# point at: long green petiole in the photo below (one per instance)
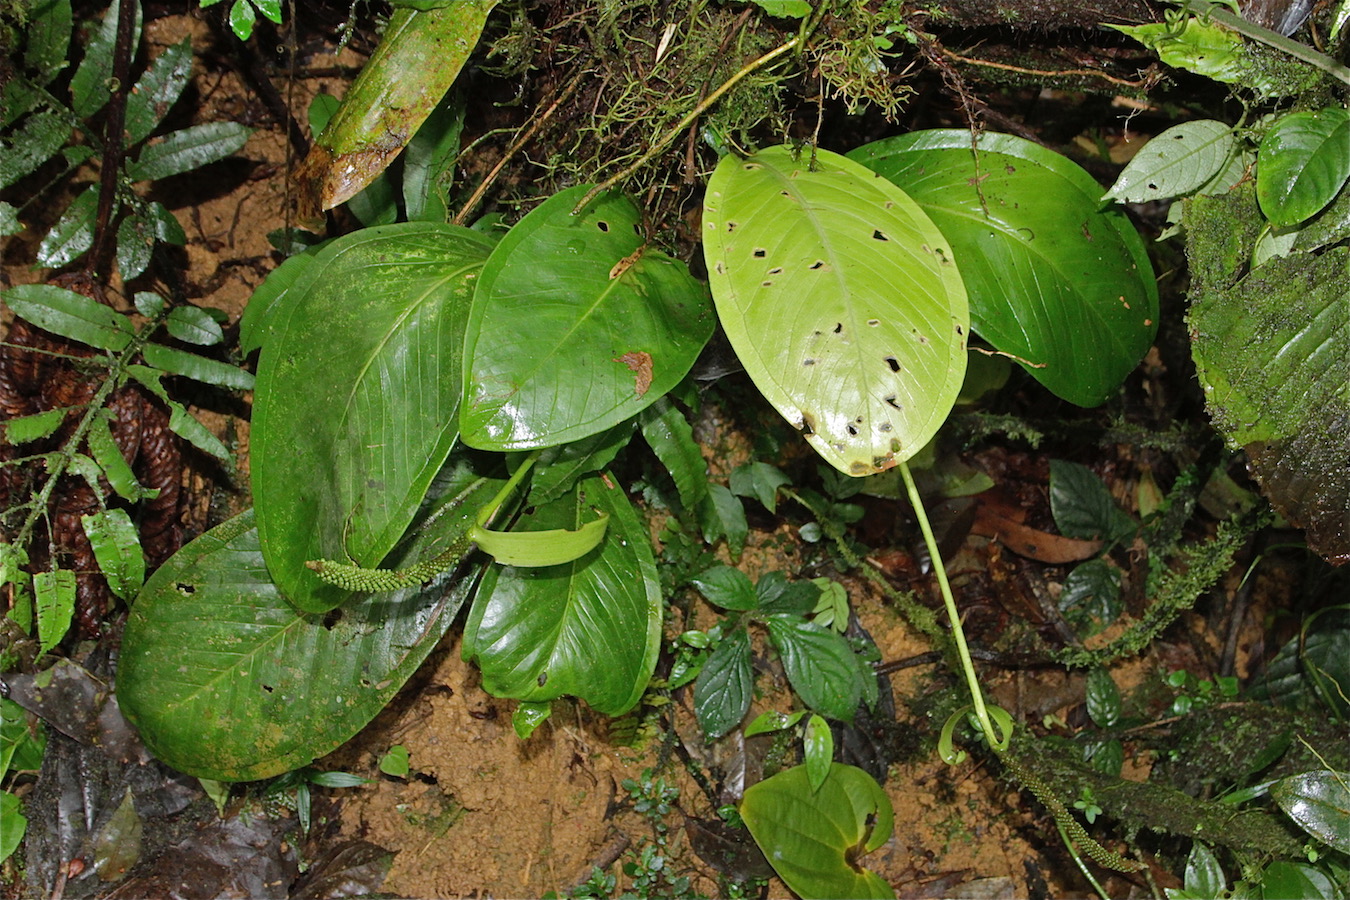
(998, 741)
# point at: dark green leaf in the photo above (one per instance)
(158, 89)
(429, 162)
(1270, 353)
(723, 690)
(46, 50)
(589, 628)
(1107, 757)
(1103, 698)
(529, 715)
(819, 664)
(54, 596)
(1302, 164)
(117, 548)
(148, 303)
(671, 438)
(1320, 803)
(103, 448)
(779, 595)
(188, 149)
(22, 151)
(89, 85)
(1204, 877)
(815, 839)
(135, 245)
(167, 227)
(21, 747)
(1083, 507)
(726, 587)
(1283, 880)
(759, 480)
(1054, 280)
(1311, 666)
(181, 422)
(193, 325)
(357, 393)
(73, 233)
(70, 315)
(722, 515)
(559, 468)
(577, 324)
(1091, 600)
(255, 326)
(377, 203)
(224, 679)
(198, 368)
(22, 429)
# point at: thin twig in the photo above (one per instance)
(684, 123)
(520, 141)
(1042, 73)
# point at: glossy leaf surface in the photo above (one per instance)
(357, 394)
(191, 148)
(589, 628)
(578, 324)
(1303, 161)
(1176, 162)
(1320, 803)
(224, 679)
(841, 299)
(71, 315)
(815, 839)
(819, 664)
(725, 686)
(1063, 286)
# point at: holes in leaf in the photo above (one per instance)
(603, 226)
(891, 401)
(331, 618)
(874, 322)
(884, 427)
(895, 367)
(731, 226)
(721, 269)
(851, 429)
(838, 327)
(776, 270)
(808, 425)
(766, 284)
(185, 588)
(878, 236)
(808, 362)
(818, 264)
(958, 330)
(760, 253)
(542, 679)
(268, 688)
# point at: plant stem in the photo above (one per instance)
(685, 122)
(1270, 38)
(958, 634)
(114, 147)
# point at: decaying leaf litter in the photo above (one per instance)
(940, 859)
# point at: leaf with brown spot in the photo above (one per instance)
(640, 364)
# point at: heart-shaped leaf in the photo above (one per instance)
(1063, 286)
(840, 298)
(589, 628)
(577, 325)
(357, 395)
(226, 680)
(815, 839)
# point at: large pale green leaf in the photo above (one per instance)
(357, 393)
(226, 680)
(1303, 162)
(578, 324)
(842, 300)
(815, 840)
(590, 628)
(1063, 286)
